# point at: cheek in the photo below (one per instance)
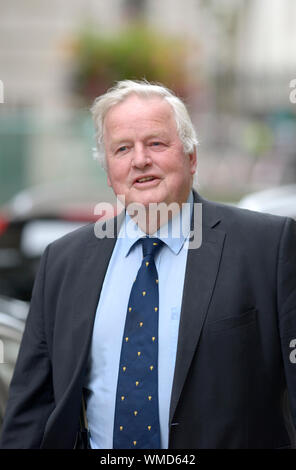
(116, 174)
(179, 177)
(176, 168)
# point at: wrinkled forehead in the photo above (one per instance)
(135, 109)
(137, 106)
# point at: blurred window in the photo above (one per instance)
(37, 235)
(13, 152)
(135, 7)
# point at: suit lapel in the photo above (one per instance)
(88, 289)
(87, 293)
(201, 272)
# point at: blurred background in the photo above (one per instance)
(232, 61)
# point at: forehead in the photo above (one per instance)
(140, 112)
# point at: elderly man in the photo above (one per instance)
(168, 345)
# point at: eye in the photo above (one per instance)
(157, 145)
(121, 149)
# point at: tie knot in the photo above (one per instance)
(150, 246)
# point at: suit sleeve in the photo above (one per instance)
(287, 309)
(31, 397)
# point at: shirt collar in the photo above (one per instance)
(173, 234)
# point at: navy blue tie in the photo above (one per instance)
(136, 421)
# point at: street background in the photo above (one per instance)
(231, 60)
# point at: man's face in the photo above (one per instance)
(145, 157)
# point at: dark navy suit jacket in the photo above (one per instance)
(235, 376)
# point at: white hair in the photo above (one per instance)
(120, 92)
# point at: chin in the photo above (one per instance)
(151, 200)
(145, 199)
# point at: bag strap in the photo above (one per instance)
(83, 419)
(83, 436)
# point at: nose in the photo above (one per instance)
(141, 157)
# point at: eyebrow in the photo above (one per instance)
(154, 135)
(118, 143)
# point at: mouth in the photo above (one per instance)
(146, 181)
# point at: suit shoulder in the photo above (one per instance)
(250, 216)
(73, 239)
(76, 241)
(232, 214)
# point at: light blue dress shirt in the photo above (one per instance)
(102, 371)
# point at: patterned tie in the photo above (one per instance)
(136, 422)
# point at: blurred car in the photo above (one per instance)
(33, 219)
(13, 314)
(278, 201)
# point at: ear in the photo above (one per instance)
(192, 161)
(109, 181)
